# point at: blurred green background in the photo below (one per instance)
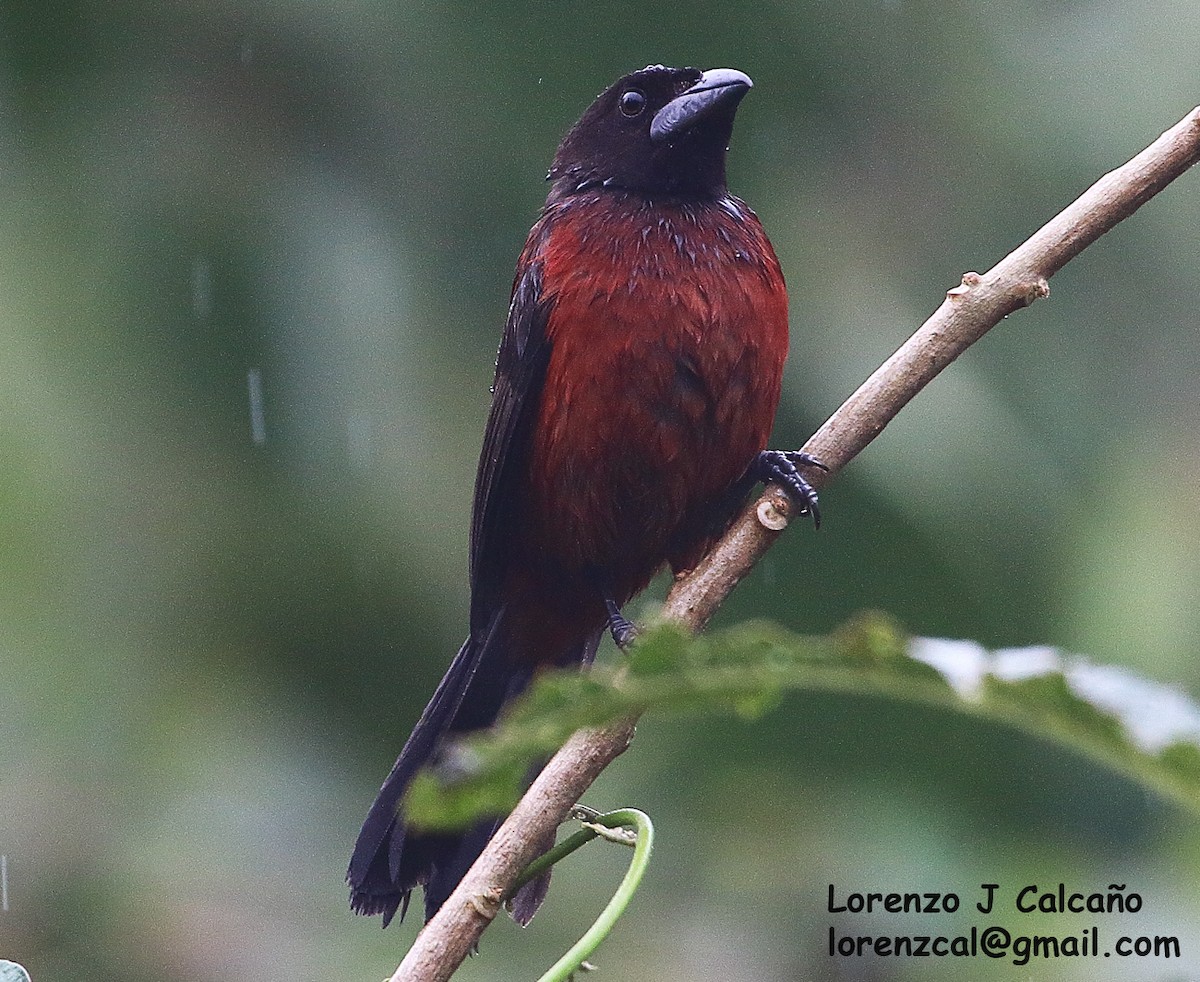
(216, 628)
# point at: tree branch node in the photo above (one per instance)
(487, 904)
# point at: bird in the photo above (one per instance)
(635, 389)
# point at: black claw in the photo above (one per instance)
(805, 459)
(622, 629)
(780, 467)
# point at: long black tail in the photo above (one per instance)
(390, 859)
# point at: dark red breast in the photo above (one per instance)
(668, 332)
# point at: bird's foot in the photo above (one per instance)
(782, 467)
(623, 631)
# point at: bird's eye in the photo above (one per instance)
(632, 103)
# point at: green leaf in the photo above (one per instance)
(1148, 731)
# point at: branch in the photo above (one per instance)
(968, 312)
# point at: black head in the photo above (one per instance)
(660, 131)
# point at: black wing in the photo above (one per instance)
(500, 480)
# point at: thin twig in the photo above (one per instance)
(968, 312)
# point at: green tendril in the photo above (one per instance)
(596, 825)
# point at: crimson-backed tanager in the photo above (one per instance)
(635, 388)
